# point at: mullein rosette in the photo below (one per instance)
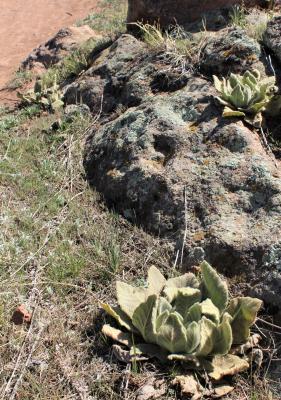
(46, 95)
(186, 318)
(245, 96)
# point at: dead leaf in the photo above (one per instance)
(151, 390)
(257, 357)
(253, 341)
(21, 315)
(125, 355)
(116, 334)
(150, 350)
(189, 386)
(222, 390)
(227, 365)
(121, 354)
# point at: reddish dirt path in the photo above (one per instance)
(24, 24)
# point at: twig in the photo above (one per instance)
(271, 65)
(176, 259)
(267, 146)
(271, 356)
(14, 392)
(269, 323)
(185, 228)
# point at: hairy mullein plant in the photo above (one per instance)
(245, 96)
(45, 94)
(187, 319)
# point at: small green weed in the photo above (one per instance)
(238, 16)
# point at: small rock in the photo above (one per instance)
(21, 315)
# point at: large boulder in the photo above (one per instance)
(162, 155)
(168, 12)
(124, 73)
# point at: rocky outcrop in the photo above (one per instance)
(162, 155)
(106, 84)
(230, 50)
(53, 51)
(272, 37)
(125, 72)
(168, 12)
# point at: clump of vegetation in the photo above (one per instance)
(73, 64)
(10, 120)
(46, 94)
(245, 96)
(237, 16)
(185, 318)
(254, 22)
(183, 49)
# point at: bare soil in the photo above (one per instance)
(26, 24)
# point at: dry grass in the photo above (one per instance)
(181, 49)
(61, 250)
(253, 21)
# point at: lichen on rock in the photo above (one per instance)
(163, 156)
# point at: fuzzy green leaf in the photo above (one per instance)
(244, 312)
(194, 313)
(216, 288)
(163, 305)
(207, 337)
(185, 299)
(129, 297)
(144, 318)
(228, 113)
(119, 315)
(224, 338)
(223, 102)
(192, 337)
(172, 334)
(248, 76)
(156, 281)
(217, 83)
(234, 80)
(186, 280)
(237, 96)
(210, 310)
(161, 319)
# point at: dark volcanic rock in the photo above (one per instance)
(107, 82)
(168, 161)
(181, 11)
(230, 50)
(272, 37)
